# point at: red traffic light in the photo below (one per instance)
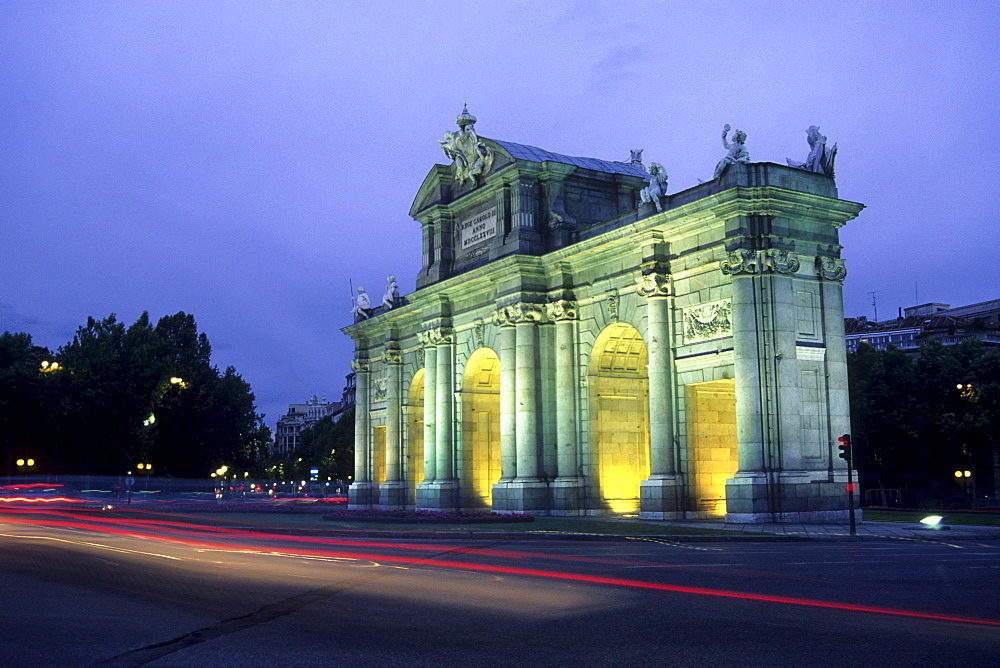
(845, 447)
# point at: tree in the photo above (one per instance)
(327, 446)
(129, 395)
(916, 422)
(25, 397)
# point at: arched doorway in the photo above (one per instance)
(414, 455)
(712, 446)
(619, 404)
(480, 464)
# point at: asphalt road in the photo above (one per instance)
(132, 593)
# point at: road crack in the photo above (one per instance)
(287, 606)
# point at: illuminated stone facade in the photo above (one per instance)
(570, 350)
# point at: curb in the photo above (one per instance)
(584, 537)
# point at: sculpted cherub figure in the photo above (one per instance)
(657, 187)
(737, 150)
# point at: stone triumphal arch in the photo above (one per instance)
(582, 342)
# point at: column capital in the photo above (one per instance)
(436, 336)
(745, 261)
(360, 365)
(392, 356)
(653, 285)
(561, 310)
(831, 269)
(517, 314)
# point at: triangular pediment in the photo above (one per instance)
(435, 189)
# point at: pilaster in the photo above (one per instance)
(361, 493)
(568, 484)
(392, 494)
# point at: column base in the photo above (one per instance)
(790, 497)
(566, 494)
(438, 495)
(522, 496)
(392, 496)
(361, 496)
(661, 499)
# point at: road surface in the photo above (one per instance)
(108, 591)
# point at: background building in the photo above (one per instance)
(299, 418)
(917, 324)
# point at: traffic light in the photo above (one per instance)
(845, 447)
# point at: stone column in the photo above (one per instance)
(767, 405)
(393, 492)
(430, 408)
(525, 357)
(748, 355)
(508, 398)
(660, 496)
(656, 289)
(566, 488)
(361, 492)
(563, 314)
(521, 488)
(444, 400)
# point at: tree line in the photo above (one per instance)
(916, 422)
(118, 396)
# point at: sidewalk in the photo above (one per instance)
(865, 530)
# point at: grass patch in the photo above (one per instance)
(968, 518)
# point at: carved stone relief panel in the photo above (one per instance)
(379, 389)
(708, 321)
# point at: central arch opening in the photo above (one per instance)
(480, 428)
(414, 456)
(619, 400)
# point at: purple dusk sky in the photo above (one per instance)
(241, 161)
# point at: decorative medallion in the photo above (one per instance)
(379, 389)
(708, 321)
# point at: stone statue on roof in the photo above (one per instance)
(819, 160)
(737, 150)
(657, 187)
(362, 305)
(391, 297)
(472, 158)
(636, 157)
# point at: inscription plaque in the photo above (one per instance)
(478, 228)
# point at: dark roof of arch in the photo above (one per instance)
(534, 154)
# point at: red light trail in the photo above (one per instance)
(135, 530)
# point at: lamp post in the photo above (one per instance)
(966, 481)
